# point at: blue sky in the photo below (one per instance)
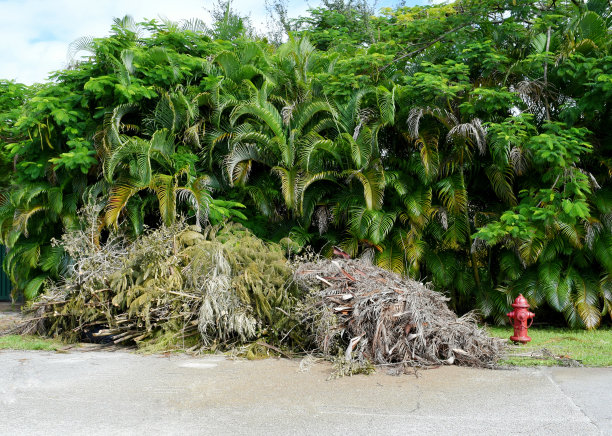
(35, 34)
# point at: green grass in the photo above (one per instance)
(556, 346)
(18, 342)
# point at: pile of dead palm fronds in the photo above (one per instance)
(366, 314)
(173, 287)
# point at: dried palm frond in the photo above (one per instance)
(473, 131)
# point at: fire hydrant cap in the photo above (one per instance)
(520, 302)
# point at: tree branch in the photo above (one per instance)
(426, 46)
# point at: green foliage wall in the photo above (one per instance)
(465, 144)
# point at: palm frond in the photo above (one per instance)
(442, 266)
(586, 298)
(473, 132)
(230, 64)
(428, 150)
(118, 198)
(289, 185)
(530, 250)
(373, 182)
(307, 112)
(162, 142)
(314, 150)
(52, 258)
(238, 162)
(165, 188)
(194, 25)
(135, 214)
(84, 43)
(605, 290)
(571, 233)
(452, 192)
(22, 217)
(391, 258)
(55, 199)
(32, 289)
(414, 121)
(501, 181)
(305, 181)
(556, 287)
(265, 112)
(386, 104)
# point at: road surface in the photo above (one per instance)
(96, 392)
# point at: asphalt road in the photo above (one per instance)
(44, 393)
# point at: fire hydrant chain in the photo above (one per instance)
(519, 318)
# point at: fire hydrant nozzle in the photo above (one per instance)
(519, 317)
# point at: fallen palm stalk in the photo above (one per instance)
(367, 314)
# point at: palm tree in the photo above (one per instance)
(283, 140)
(293, 69)
(359, 206)
(446, 151)
(152, 165)
(28, 217)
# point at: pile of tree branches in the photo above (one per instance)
(366, 314)
(174, 287)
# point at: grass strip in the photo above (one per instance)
(551, 346)
(19, 342)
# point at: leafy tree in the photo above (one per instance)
(228, 24)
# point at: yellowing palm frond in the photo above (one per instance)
(118, 198)
(165, 188)
(586, 300)
(373, 187)
(21, 218)
(304, 182)
(452, 192)
(392, 259)
(289, 185)
(428, 149)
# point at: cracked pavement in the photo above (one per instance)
(98, 392)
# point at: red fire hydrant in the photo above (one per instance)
(519, 317)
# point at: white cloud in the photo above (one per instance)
(36, 33)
